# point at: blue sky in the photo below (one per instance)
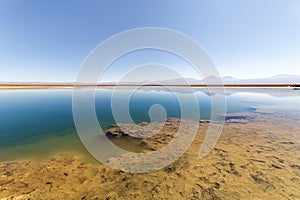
(48, 40)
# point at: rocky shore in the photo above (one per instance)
(256, 157)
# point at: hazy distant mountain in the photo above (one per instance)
(278, 79)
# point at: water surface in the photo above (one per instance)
(38, 123)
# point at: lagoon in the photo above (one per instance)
(39, 123)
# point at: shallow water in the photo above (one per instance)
(38, 123)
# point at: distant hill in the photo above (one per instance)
(278, 79)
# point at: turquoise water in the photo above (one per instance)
(40, 122)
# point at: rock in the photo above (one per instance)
(209, 194)
(256, 178)
(195, 194)
(217, 185)
(288, 142)
(294, 166)
(170, 168)
(6, 181)
(276, 166)
(8, 173)
(144, 123)
(257, 160)
(204, 121)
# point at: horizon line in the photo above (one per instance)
(82, 85)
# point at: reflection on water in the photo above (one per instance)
(39, 122)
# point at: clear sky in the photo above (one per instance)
(48, 40)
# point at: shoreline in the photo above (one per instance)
(73, 86)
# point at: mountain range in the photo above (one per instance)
(277, 79)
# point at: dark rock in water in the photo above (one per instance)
(235, 117)
(204, 121)
(239, 118)
(114, 131)
(142, 130)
